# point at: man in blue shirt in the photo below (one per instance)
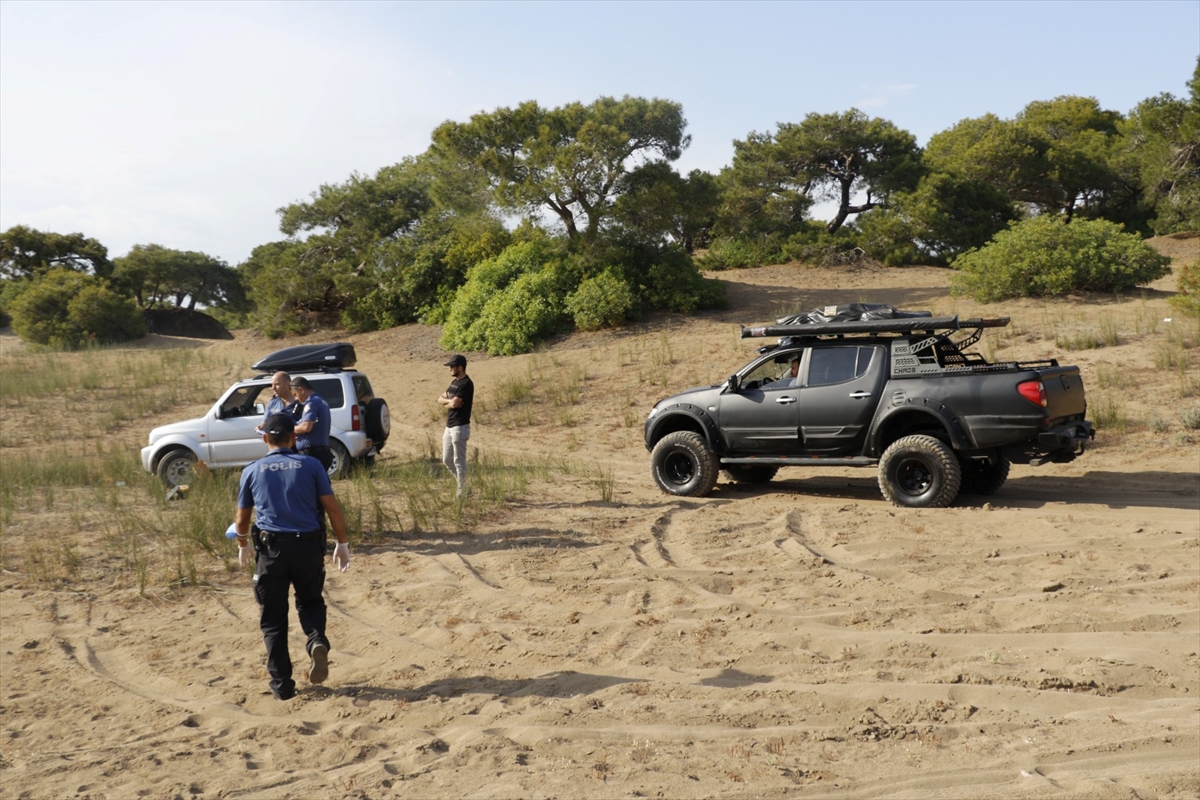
(312, 427)
(287, 491)
(282, 402)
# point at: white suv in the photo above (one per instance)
(225, 436)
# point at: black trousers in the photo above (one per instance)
(288, 561)
(322, 454)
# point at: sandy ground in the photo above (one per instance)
(802, 638)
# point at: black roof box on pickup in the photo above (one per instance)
(337, 355)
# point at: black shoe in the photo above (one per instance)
(318, 670)
(283, 694)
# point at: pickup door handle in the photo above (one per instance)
(783, 401)
(859, 395)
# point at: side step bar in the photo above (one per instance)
(805, 461)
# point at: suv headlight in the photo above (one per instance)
(653, 412)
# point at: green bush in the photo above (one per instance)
(466, 326)
(603, 301)
(518, 318)
(1047, 256)
(1188, 299)
(69, 309)
(816, 246)
(105, 317)
(750, 251)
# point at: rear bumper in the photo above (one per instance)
(1059, 445)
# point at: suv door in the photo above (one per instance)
(763, 415)
(231, 424)
(841, 391)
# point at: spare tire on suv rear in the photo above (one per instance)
(379, 421)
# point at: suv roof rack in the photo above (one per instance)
(909, 325)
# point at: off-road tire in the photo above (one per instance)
(177, 468)
(982, 477)
(920, 472)
(750, 473)
(379, 421)
(682, 464)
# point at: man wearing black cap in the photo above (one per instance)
(458, 399)
(287, 490)
(312, 427)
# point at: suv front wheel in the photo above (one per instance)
(177, 468)
(683, 465)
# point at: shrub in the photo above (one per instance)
(1047, 256)
(487, 283)
(526, 312)
(603, 301)
(747, 251)
(816, 246)
(1188, 299)
(105, 317)
(69, 309)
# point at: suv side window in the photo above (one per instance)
(362, 388)
(331, 390)
(246, 401)
(838, 364)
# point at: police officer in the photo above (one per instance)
(312, 427)
(286, 491)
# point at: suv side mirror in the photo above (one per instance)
(732, 384)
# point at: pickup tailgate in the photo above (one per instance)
(1064, 394)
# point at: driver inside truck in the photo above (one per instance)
(790, 379)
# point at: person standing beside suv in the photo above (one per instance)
(283, 401)
(458, 398)
(312, 427)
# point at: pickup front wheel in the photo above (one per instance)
(683, 465)
(920, 472)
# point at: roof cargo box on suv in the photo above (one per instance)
(338, 355)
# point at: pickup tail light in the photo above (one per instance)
(355, 420)
(1033, 391)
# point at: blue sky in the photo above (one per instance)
(189, 124)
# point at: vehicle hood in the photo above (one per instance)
(698, 395)
(190, 428)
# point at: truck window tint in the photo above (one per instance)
(838, 364)
(362, 388)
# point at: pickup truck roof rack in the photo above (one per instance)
(908, 325)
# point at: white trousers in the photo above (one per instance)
(454, 453)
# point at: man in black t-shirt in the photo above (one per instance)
(458, 399)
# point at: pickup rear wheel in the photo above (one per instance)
(983, 477)
(743, 473)
(682, 464)
(920, 472)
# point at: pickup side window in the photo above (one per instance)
(774, 373)
(832, 365)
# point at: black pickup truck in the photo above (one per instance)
(866, 385)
